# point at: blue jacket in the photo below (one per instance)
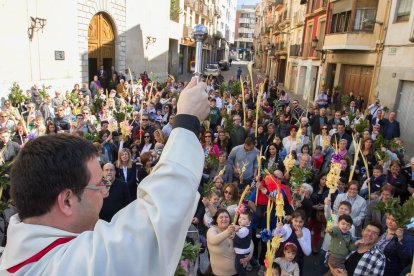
(398, 254)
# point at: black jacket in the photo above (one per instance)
(118, 198)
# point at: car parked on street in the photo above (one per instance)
(224, 65)
(212, 69)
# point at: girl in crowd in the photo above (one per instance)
(295, 233)
(50, 128)
(287, 262)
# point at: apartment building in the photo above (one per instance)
(244, 31)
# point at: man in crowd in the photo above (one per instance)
(238, 133)
(9, 149)
(318, 121)
(322, 99)
(61, 121)
(391, 127)
(118, 197)
(6, 122)
(368, 258)
(341, 134)
(94, 86)
(59, 200)
(244, 157)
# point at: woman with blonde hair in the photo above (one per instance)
(159, 136)
(125, 169)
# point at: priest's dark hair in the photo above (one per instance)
(45, 167)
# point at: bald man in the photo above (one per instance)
(118, 197)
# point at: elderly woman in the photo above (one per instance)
(220, 245)
(359, 205)
(397, 245)
(305, 204)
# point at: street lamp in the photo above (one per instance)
(314, 43)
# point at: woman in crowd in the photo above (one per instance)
(220, 245)
(396, 178)
(67, 110)
(143, 170)
(159, 136)
(398, 247)
(280, 148)
(223, 142)
(273, 161)
(317, 219)
(359, 205)
(146, 144)
(367, 149)
(229, 199)
(289, 142)
(21, 135)
(207, 144)
(322, 139)
(125, 170)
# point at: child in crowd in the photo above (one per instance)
(287, 262)
(276, 269)
(317, 159)
(211, 203)
(295, 233)
(242, 241)
(376, 181)
(344, 208)
(341, 242)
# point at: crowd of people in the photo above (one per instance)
(129, 120)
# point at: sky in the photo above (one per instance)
(247, 2)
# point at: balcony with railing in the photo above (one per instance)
(204, 10)
(347, 34)
(295, 50)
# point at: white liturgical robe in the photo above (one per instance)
(145, 238)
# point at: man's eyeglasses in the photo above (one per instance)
(103, 184)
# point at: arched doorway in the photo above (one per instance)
(101, 44)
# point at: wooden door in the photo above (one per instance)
(101, 43)
(358, 80)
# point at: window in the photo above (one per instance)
(403, 10)
(365, 20)
(340, 22)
